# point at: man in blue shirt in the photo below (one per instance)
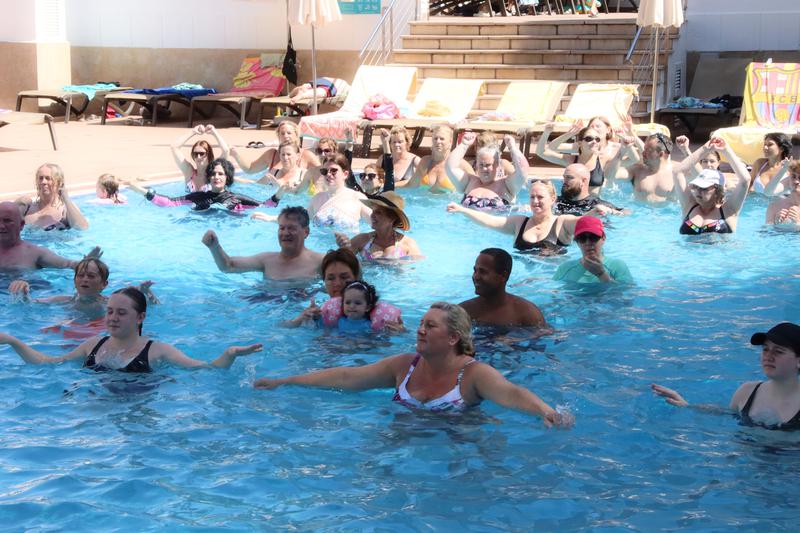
(593, 267)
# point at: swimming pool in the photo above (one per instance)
(203, 451)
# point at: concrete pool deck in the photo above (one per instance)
(87, 150)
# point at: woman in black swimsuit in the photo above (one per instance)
(775, 403)
(703, 201)
(125, 348)
(542, 233)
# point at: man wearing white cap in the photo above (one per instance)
(593, 266)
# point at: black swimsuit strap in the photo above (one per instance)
(97, 346)
(746, 409)
(519, 238)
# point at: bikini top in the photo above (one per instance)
(397, 253)
(449, 401)
(139, 364)
(545, 244)
(757, 185)
(790, 425)
(718, 226)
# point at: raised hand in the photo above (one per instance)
(468, 139)
(210, 238)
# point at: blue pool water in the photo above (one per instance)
(202, 450)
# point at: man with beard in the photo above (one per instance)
(575, 198)
(494, 306)
(593, 266)
(294, 261)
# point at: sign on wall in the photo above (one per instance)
(360, 7)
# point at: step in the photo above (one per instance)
(611, 59)
(584, 73)
(491, 101)
(516, 42)
(511, 28)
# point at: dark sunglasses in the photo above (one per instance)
(587, 237)
(325, 151)
(370, 176)
(324, 171)
(199, 154)
(663, 140)
(589, 139)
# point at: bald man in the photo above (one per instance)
(575, 198)
(16, 254)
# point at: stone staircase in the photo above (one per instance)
(572, 48)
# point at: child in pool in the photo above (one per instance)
(108, 191)
(358, 301)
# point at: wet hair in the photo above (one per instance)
(341, 161)
(548, 185)
(298, 212)
(137, 297)
(502, 260)
(458, 323)
(84, 263)
(58, 180)
(227, 167)
(604, 120)
(366, 289)
(341, 255)
(663, 142)
(289, 143)
(783, 142)
(110, 184)
(205, 146)
(491, 150)
(401, 130)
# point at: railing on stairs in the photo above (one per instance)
(385, 38)
(643, 69)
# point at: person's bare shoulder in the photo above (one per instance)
(528, 312)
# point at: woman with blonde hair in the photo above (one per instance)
(404, 162)
(431, 171)
(270, 159)
(442, 376)
(51, 208)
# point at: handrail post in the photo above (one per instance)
(391, 29)
(383, 44)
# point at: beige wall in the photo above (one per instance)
(19, 71)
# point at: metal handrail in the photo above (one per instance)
(377, 28)
(394, 21)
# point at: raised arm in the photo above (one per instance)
(186, 167)
(453, 164)
(228, 264)
(736, 200)
(508, 225)
(380, 375)
(489, 384)
(614, 164)
(223, 146)
(48, 259)
(413, 182)
(516, 181)
(258, 164)
(35, 357)
(172, 355)
(549, 151)
(75, 218)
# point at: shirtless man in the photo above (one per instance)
(494, 306)
(16, 254)
(652, 177)
(490, 188)
(292, 262)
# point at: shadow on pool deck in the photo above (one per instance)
(87, 150)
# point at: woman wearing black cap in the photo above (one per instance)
(775, 403)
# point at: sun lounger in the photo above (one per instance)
(771, 104)
(301, 106)
(74, 98)
(259, 77)
(16, 117)
(150, 99)
(392, 82)
(524, 105)
(610, 100)
(439, 101)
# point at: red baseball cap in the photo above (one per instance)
(590, 224)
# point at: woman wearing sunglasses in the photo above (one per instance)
(194, 168)
(593, 266)
(590, 152)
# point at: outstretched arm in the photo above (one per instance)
(186, 167)
(228, 264)
(502, 224)
(736, 199)
(35, 357)
(549, 151)
(176, 357)
(75, 218)
(491, 385)
(257, 165)
(672, 397)
(380, 375)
